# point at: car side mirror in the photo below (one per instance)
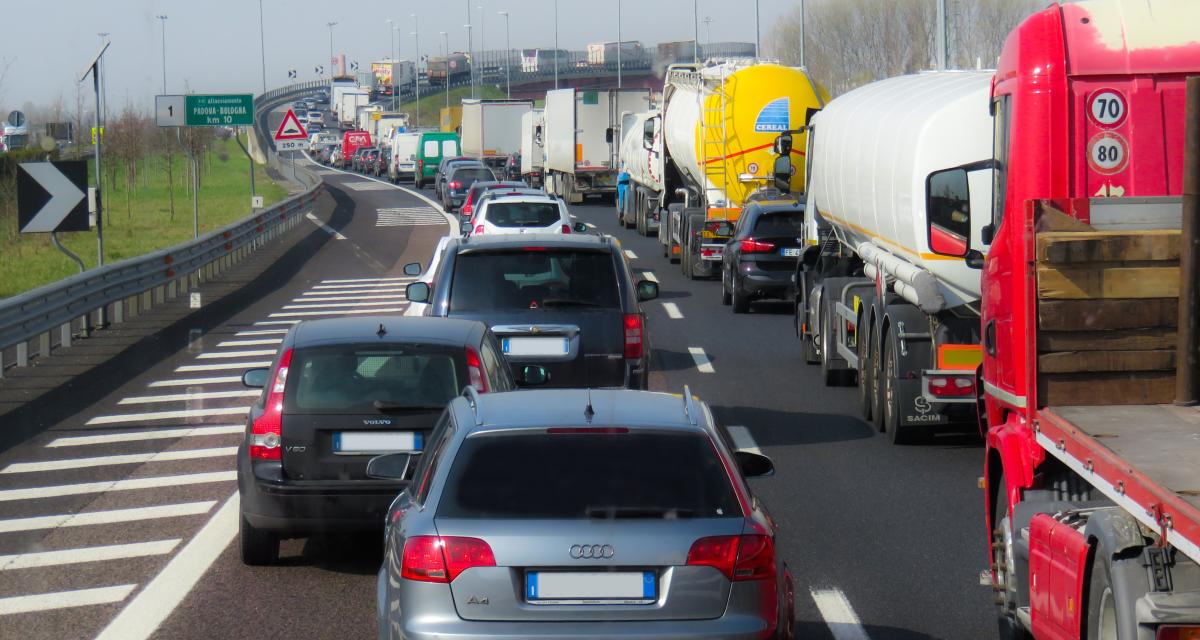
(782, 174)
(646, 290)
(948, 212)
(256, 378)
(393, 466)
(417, 292)
(579, 227)
(754, 465)
(412, 269)
(533, 375)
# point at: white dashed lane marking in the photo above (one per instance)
(672, 310)
(192, 397)
(107, 517)
(181, 414)
(248, 343)
(252, 353)
(141, 434)
(333, 312)
(261, 332)
(87, 554)
(701, 358)
(224, 366)
(65, 599)
(192, 382)
(352, 293)
(649, 275)
(408, 216)
(129, 458)
(132, 484)
(838, 614)
(339, 305)
(630, 254)
(360, 281)
(743, 440)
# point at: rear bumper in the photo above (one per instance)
(759, 283)
(272, 503)
(728, 627)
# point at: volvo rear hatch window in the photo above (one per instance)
(371, 379)
(533, 279)
(581, 473)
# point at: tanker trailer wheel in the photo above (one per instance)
(866, 379)
(641, 210)
(890, 373)
(693, 222)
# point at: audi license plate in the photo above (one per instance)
(790, 252)
(360, 442)
(591, 587)
(535, 346)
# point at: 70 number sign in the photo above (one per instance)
(1107, 108)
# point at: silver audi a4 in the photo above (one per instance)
(580, 514)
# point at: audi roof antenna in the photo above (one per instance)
(382, 330)
(588, 411)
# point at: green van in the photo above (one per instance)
(433, 146)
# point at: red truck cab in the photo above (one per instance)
(1088, 103)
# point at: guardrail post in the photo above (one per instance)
(171, 290)
(23, 354)
(44, 345)
(147, 302)
(65, 339)
(119, 312)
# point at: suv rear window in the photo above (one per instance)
(533, 279)
(523, 214)
(351, 378)
(577, 476)
(471, 175)
(780, 223)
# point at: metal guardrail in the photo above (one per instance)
(125, 289)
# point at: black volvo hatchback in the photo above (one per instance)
(340, 392)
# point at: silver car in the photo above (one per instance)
(580, 514)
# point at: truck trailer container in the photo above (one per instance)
(581, 130)
(348, 105)
(894, 168)
(491, 129)
(532, 149)
(1089, 303)
(337, 87)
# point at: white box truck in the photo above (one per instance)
(383, 123)
(581, 139)
(348, 105)
(491, 129)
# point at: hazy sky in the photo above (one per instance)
(213, 45)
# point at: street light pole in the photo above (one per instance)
(262, 44)
(696, 31)
(331, 25)
(416, 34)
(556, 51)
(470, 51)
(482, 48)
(618, 44)
(507, 56)
(757, 33)
(708, 30)
(391, 51)
(446, 61)
(163, 19)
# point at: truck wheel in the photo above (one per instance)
(865, 377)
(259, 548)
(1005, 562)
(741, 302)
(1114, 587)
(726, 297)
(890, 372)
(640, 214)
(831, 376)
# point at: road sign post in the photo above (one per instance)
(231, 110)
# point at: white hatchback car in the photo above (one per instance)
(524, 214)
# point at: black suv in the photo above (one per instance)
(761, 256)
(566, 303)
(341, 391)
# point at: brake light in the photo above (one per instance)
(421, 164)
(479, 229)
(475, 371)
(951, 386)
(566, 228)
(455, 185)
(1175, 632)
(466, 208)
(633, 336)
(266, 433)
(588, 430)
(750, 245)
(443, 558)
(740, 558)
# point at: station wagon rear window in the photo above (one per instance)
(780, 223)
(588, 476)
(523, 214)
(535, 279)
(351, 378)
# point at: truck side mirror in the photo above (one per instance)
(782, 174)
(648, 134)
(783, 144)
(948, 212)
(608, 135)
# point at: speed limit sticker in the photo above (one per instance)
(1107, 108)
(1108, 153)
(752, 167)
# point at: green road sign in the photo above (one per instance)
(234, 110)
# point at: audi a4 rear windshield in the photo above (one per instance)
(523, 214)
(370, 379)
(572, 475)
(533, 280)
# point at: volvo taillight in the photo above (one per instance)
(266, 432)
(443, 558)
(745, 557)
(475, 371)
(633, 336)
(750, 245)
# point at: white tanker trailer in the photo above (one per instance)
(895, 167)
(706, 148)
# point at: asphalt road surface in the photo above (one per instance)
(120, 521)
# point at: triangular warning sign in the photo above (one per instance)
(290, 128)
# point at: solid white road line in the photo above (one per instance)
(630, 254)
(222, 366)
(193, 382)
(743, 440)
(451, 220)
(128, 458)
(353, 280)
(324, 227)
(261, 332)
(65, 599)
(107, 517)
(701, 359)
(249, 353)
(131, 484)
(190, 397)
(649, 275)
(168, 415)
(350, 299)
(263, 323)
(337, 312)
(143, 615)
(87, 554)
(839, 616)
(673, 311)
(249, 343)
(155, 434)
(342, 305)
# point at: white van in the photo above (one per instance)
(403, 162)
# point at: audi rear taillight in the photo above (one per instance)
(475, 371)
(266, 432)
(566, 228)
(633, 336)
(739, 558)
(951, 386)
(443, 558)
(750, 245)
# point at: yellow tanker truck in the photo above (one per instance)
(694, 160)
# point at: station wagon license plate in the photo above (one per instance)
(535, 346)
(790, 252)
(375, 442)
(591, 587)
